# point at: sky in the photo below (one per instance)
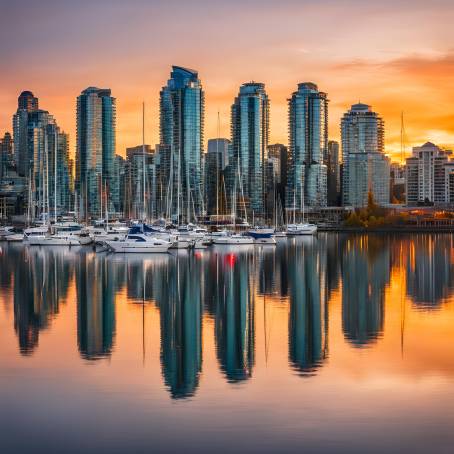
(396, 55)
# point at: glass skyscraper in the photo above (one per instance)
(26, 103)
(181, 133)
(308, 147)
(250, 132)
(365, 167)
(95, 155)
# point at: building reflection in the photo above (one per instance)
(365, 273)
(308, 317)
(181, 325)
(430, 270)
(234, 314)
(41, 281)
(96, 283)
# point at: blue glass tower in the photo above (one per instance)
(250, 131)
(308, 147)
(95, 156)
(181, 130)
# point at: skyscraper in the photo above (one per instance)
(6, 154)
(95, 153)
(333, 166)
(308, 147)
(181, 130)
(250, 132)
(365, 167)
(216, 162)
(26, 103)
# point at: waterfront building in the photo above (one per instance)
(368, 172)
(118, 190)
(26, 104)
(140, 189)
(216, 161)
(365, 168)
(48, 164)
(308, 147)
(333, 170)
(95, 151)
(427, 175)
(278, 156)
(250, 120)
(6, 154)
(397, 182)
(181, 131)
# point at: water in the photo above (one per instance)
(336, 343)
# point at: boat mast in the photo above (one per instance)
(55, 176)
(144, 214)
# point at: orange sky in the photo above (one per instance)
(395, 55)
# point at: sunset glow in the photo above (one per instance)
(397, 56)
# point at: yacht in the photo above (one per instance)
(6, 231)
(115, 232)
(139, 242)
(233, 239)
(65, 234)
(262, 235)
(17, 236)
(301, 229)
(35, 232)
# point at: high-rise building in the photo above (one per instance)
(333, 168)
(365, 167)
(140, 182)
(250, 120)
(181, 130)
(216, 161)
(26, 104)
(6, 154)
(276, 185)
(368, 172)
(49, 167)
(308, 147)
(95, 152)
(428, 176)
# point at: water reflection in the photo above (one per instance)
(365, 273)
(96, 306)
(234, 313)
(430, 270)
(228, 286)
(180, 307)
(307, 317)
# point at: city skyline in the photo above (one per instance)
(401, 63)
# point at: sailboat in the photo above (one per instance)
(302, 228)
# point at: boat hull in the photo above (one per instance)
(130, 247)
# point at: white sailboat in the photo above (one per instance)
(302, 228)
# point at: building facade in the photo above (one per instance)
(308, 147)
(428, 176)
(216, 162)
(250, 120)
(362, 132)
(333, 170)
(95, 152)
(182, 108)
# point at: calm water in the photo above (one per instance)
(341, 343)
